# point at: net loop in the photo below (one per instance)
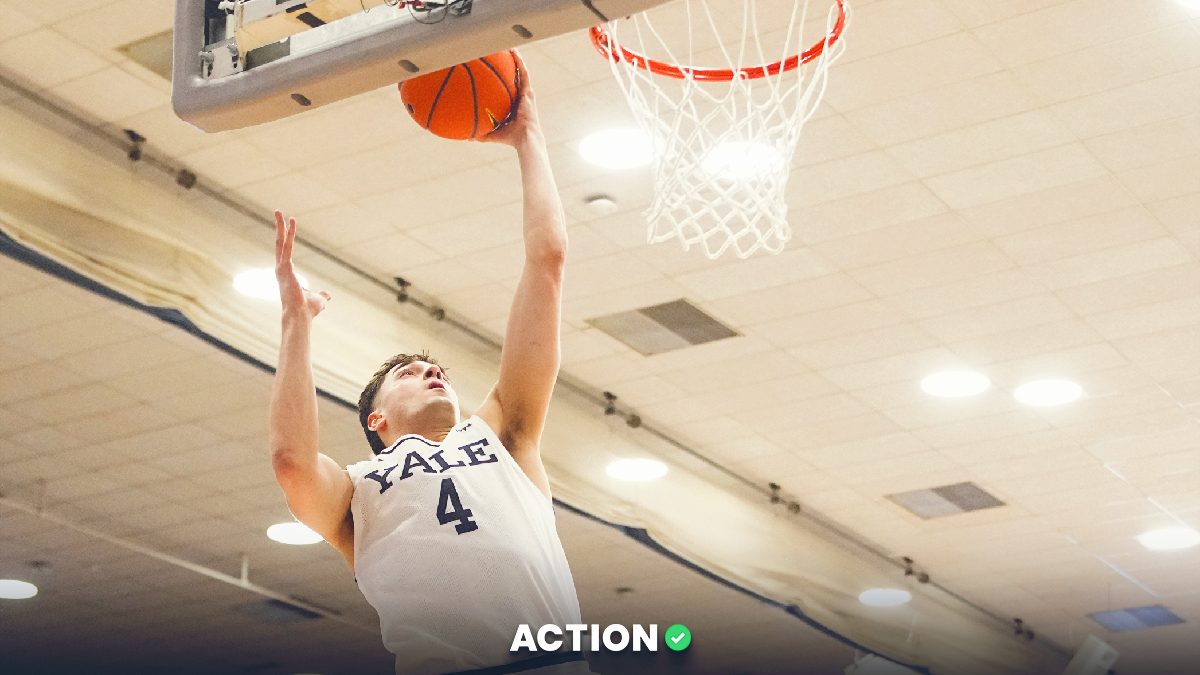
(722, 138)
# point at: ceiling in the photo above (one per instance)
(1007, 187)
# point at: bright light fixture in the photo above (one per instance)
(637, 469)
(1169, 539)
(12, 589)
(955, 383)
(293, 533)
(884, 597)
(261, 284)
(1048, 392)
(620, 148)
(740, 160)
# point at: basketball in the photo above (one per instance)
(466, 101)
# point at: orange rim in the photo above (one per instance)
(603, 45)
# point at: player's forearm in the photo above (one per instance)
(544, 224)
(293, 427)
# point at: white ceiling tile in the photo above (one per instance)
(831, 290)
(1077, 237)
(978, 291)
(1178, 215)
(117, 23)
(936, 111)
(980, 12)
(1007, 178)
(1116, 64)
(21, 312)
(291, 193)
(1144, 102)
(932, 269)
(845, 177)
(933, 411)
(28, 382)
(865, 345)
(888, 448)
(49, 11)
(895, 241)
(1001, 317)
(981, 143)
(1163, 181)
(46, 58)
(13, 22)
(609, 273)
(1051, 206)
(886, 26)
(475, 232)
(906, 71)
(1071, 26)
(1003, 425)
(1150, 318)
(1117, 261)
(1011, 345)
(904, 367)
(233, 163)
(391, 255)
(866, 212)
(764, 271)
(86, 400)
(809, 327)
(1158, 285)
(828, 138)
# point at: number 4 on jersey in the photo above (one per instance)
(448, 498)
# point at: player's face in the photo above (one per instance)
(415, 391)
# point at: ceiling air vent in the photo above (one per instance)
(152, 53)
(1121, 620)
(945, 500)
(663, 328)
(277, 612)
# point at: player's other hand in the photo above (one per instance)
(294, 297)
(516, 129)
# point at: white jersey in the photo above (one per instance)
(455, 547)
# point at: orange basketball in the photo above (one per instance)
(469, 100)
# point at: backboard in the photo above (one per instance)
(238, 63)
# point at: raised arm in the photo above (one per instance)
(318, 490)
(529, 360)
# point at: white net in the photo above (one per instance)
(723, 148)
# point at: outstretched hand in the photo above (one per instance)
(293, 296)
(524, 118)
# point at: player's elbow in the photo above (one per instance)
(549, 254)
(287, 465)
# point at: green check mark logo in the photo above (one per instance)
(678, 637)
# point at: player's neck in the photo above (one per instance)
(434, 430)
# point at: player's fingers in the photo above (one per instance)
(280, 236)
(326, 295)
(522, 73)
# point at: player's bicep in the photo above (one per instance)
(319, 496)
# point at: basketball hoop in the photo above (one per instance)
(723, 138)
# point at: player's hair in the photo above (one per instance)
(366, 400)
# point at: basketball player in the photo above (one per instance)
(449, 529)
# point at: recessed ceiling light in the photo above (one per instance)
(293, 533)
(740, 160)
(884, 597)
(955, 383)
(620, 148)
(637, 469)
(1048, 392)
(12, 589)
(1169, 539)
(261, 284)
